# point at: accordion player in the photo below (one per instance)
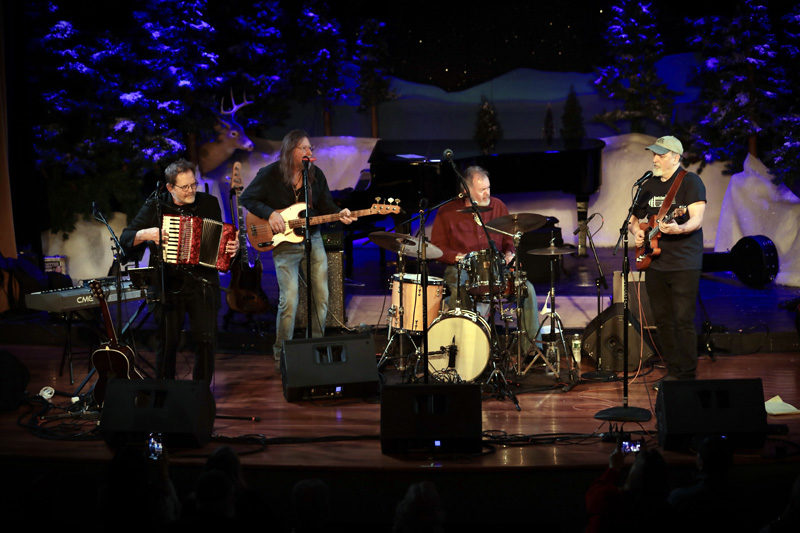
(197, 241)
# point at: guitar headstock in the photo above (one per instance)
(391, 207)
(97, 289)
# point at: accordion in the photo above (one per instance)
(197, 241)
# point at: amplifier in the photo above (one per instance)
(336, 315)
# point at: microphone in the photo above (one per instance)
(447, 154)
(647, 175)
(584, 222)
(307, 161)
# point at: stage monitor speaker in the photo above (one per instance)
(690, 409)
(14, 379)
(443, 418)
(336, 316)
(182, 411)
(333, 366)
(603, 335)
(636, 292)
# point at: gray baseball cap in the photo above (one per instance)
(666, 144)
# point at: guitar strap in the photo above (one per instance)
(671, 195)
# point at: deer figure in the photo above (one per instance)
(230, 137)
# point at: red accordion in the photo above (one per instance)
(197, 241)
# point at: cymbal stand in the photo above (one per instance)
(400, 332)
(556, 325)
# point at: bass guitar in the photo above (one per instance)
(261, 236)
(649, 249)
(244, 294)
(112, 359)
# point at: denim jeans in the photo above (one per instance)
(530, 310)
(288, 258)
(673, 296)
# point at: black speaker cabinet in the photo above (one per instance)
(431, 418)
(334, 366)
(182, 411)
(689, 409)
(636, 293)
(336, 316)
(603, 336)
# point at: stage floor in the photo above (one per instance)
(551, 452)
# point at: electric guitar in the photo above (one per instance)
(112, 359)
(244, 294)
(261, 237)
(650, 249)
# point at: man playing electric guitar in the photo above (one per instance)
(276, 187)
(673, 276)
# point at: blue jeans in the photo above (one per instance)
(530, 310)
(288, 258)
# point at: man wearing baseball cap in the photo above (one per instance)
(673, 277)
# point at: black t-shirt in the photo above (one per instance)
(678, 252)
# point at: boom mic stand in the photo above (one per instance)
(625, 413)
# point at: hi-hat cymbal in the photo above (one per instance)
(517, 222)
(554, 250)
(405, 244)
(481, 209)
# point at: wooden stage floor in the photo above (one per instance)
(337, 440)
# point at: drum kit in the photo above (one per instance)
(462, 340)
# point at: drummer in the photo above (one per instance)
(458, 233)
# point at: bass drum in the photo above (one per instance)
(470, 333)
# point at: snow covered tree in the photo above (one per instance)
(370, 55)
(630, 79)
(741, 81)
(572, 128)
(784, 160)
(487, 127)
(320, 54)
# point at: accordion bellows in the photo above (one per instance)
(197, 241)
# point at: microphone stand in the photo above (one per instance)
(598, 375)
(162, 299)
(119, 256)
(625, 413)
(307, 240)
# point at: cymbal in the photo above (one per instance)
(517, 222)
(481, 209)
(405, 244)
(554, 250)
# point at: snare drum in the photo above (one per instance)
(478, 265)
(470, 333)
(412, 300)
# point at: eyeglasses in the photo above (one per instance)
(187, 188)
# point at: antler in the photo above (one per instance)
(236, 107)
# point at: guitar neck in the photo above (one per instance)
(324, 219)
(110, 332)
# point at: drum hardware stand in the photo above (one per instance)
(556, 335)
(399, 332)
(625, 413)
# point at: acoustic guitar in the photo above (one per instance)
(261, 236)
(111, 360)
(649, 249)
(244, 294)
